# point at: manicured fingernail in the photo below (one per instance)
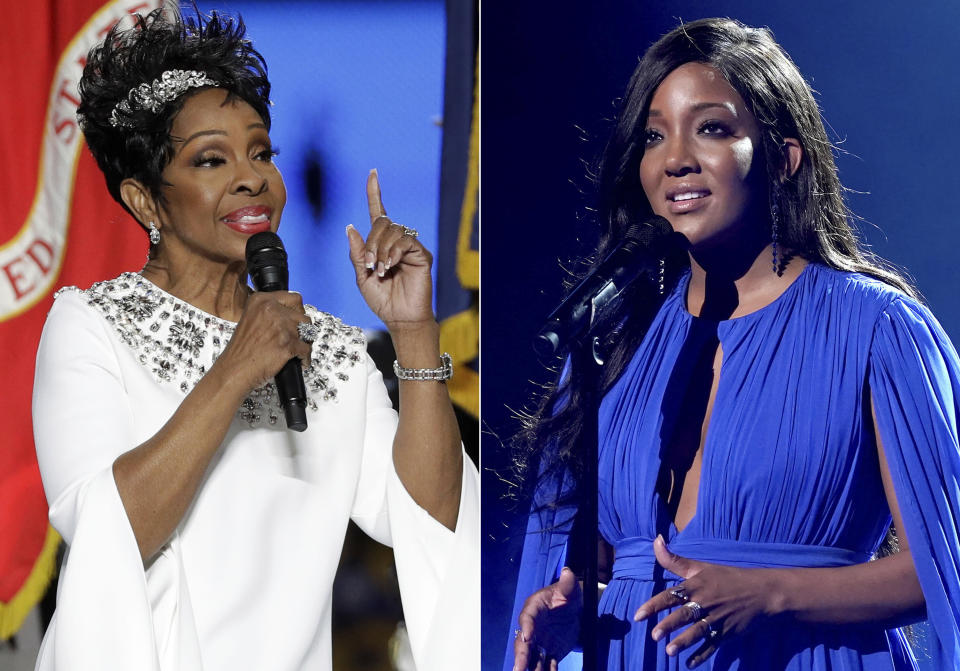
(659, 539)
(671, 650)
(380, 269)
(369, 260)
(656, 634)
(347, 229)
(386, 266)
(691, 663)
(641, 615)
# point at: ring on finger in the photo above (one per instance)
(412, 232)
(679, 593)
(712, 634)
(308, 331)
(696, 610)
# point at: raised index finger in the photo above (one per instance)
(374, 201)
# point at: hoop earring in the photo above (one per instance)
(154, 234)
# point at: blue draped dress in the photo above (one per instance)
(790, 474)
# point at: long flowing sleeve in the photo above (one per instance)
(544, 545)
(553, 509)
(915, 382)
(438, 569)
(81, 424)
(255, 556)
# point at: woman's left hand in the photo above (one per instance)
(731, 599)
(392, 267)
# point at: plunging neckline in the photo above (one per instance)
(680, 295)
(703, 435)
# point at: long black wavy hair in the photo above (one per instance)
(815, 222)
(215, 45)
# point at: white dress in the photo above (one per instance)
(245, 581)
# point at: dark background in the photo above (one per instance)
(888, 86)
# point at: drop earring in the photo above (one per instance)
(154, 234)
(661, 275)
(775, 228)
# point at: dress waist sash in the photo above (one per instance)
(634, 557)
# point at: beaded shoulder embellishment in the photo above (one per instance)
(178, 343)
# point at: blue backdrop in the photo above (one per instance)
(357, 84)
(887, 86)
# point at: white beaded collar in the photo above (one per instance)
(178, 343)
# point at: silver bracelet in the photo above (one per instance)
(444, 372)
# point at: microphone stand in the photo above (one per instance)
(587, 360)
(586, 355)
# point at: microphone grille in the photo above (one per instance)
(649, 232)
(267, 261)
(655, 234)
(264, 241)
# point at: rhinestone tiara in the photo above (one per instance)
(167, 87)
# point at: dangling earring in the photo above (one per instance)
(154, 234)
(661, 275)
(775, 227)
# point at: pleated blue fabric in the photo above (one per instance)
(790, 474)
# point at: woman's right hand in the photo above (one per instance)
(266, 338)
(549, 625)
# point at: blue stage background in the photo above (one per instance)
(357, 84)
(888, 88)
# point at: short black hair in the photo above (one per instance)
(215, 44)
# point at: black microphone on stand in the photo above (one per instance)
(579, 314)
(639, 252)
(267, 268)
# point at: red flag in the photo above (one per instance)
(58, 227)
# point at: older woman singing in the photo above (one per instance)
(201, 531)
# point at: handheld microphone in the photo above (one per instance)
(639, 252)
(267, 268)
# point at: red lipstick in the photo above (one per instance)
(249, 220)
